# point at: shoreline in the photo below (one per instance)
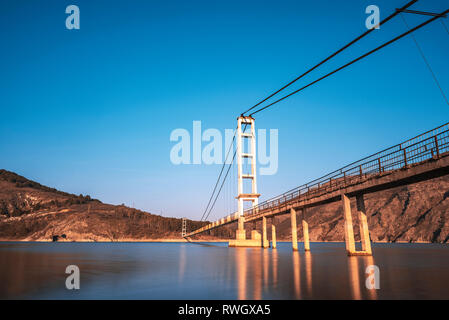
(190, 241)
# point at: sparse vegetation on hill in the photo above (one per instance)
(31, 211)
(22, 182)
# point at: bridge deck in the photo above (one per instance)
(427, 170)
(421, 158)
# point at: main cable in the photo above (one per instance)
(301, 76)
(353, 61)
(333, 55)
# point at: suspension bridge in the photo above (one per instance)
(420, 158)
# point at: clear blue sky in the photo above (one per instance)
(91, 111)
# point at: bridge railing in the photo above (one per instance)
(428, 145)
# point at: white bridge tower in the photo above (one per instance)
(249, 136)
(184, 227)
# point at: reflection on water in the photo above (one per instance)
(214, 271)
(256, 273)
(369, 261)
(354, 278)
(266, 257)
(308, 262)
(358, 284)
(274, 258)
(240, 254)
(296, 273)
(182, 261)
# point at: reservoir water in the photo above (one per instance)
(214, 271)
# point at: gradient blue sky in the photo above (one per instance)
(91, 111)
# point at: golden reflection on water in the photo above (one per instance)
(296, 274)
(255, 277)
(368, 261)
(308, 261)
(274, 254)
(266, 262)
(355, 282)
(257, 272)
(354, 277)
(240, 260)
(253, 272)
(38, 271)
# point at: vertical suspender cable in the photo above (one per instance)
(426, 61)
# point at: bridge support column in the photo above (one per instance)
(265, 242)
(363, 222)
(294, 232)
(349, 231)
(255, 235)
(273, 236)
(241, 233)
(305, 231)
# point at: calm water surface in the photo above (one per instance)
(214, 271)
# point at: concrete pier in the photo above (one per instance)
(255, 241)
(349, 231)
(273, 236)
(363, 223)
(241, 241)
(294, 232)
(265, 242)
(305, 231)
(241, 233)
(255, 235)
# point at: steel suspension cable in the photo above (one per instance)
(426, 62)
(218, 193)
(444, 26)
(353, 61)
(224, 179)
(304, 74)
(219, 176)
(332, 55)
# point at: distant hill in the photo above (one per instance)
(31, 211)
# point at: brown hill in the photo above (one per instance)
(31, 211)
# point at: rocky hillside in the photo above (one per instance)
(31, 211)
